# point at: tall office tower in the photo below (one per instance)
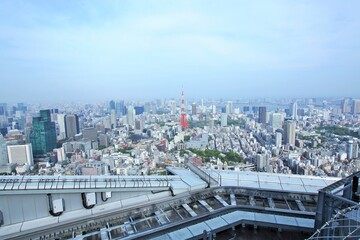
(211, 125)
(3, 151)
(21, 107)
(213, 109)
(356, 106)
(262, 115)
(224, 117)
(345, 105)
(356, 150)
(113, 119)
(43, 135)
(293, 111)
(119, 108)
(3, 109)
(61, 124)
(111, 105)
(278, 139)
(139, 110)
(193, 109)
(290, 131)
(72, 126)
(276, 120)
(103, 140)
(20, 154)
(350, 149)
(229, 107)
(183, 120)
(131, 116)
(107, 122)
(90, 133)
(172, 107)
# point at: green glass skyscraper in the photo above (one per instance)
(43, 136)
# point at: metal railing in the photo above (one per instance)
(13, 183)
(203, 175)
(344, 225)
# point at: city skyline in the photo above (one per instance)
(91, 51)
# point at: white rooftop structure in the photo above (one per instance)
(282, 182)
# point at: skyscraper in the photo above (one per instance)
(61, 124)
(229, 107)
(71, 125)
(276, 120)
(111, 105)
(3, 109)
(139, 110)
(119, 108)
(262, 115)
(356, 106)
(345, 105)
(193, 109)
(224, 117)
(43, 135)
(293, 110)
(290, 131)
(131, 116)
(350, 149)
(278, 139)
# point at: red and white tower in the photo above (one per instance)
(183, 120)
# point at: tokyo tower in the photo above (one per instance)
(183, 121)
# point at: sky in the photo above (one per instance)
(59, 51)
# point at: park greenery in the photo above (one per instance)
(125, 150)
(337, 130)
(207, 154)
(186, 138)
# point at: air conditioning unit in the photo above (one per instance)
(58, 205)
(108, 194)
(90, 199)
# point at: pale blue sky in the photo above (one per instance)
(99, 50)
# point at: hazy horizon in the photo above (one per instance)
(64, 51)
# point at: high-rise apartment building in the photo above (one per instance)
(290, 131)
(71, 125)
(43, 135)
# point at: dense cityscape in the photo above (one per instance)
(172, 120)
(313, 136)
